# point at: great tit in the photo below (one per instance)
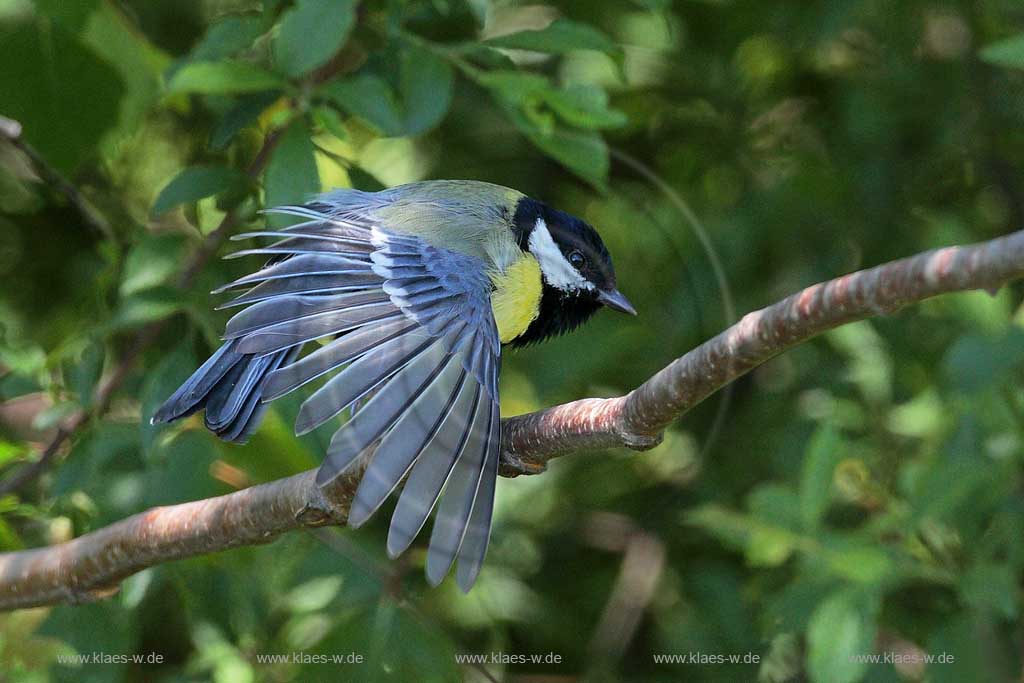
(416, 288)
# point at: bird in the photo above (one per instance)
(402, 299)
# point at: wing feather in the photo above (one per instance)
(358, 379)
(384, 408)
(342, 350)
(404, 442)
(297, 309)
(188, 398)
(416, 347)
(453, 512)
(307, 284)
(283, 335)
(431, 471)
(302, 266)
(478, 530)
(358, 242)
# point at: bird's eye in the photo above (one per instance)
(577, 259)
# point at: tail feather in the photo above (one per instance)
(229, 387)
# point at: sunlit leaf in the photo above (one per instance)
(559, 37)
(1009, 52)
(329, 120)
(584, 106)
(842, 627)
(764, 544)
(313, 595)
(222, 78)
(146, 306)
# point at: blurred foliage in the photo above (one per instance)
(860, 494)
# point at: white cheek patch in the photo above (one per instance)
(557, 271)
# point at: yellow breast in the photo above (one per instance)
(516, 297)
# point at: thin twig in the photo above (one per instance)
(91, 566)
(10, 130)
(142, 340)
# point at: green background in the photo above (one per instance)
(861, 494)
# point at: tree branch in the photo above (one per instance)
(92, 565)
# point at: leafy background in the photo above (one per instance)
(862, 493)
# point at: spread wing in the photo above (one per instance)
(414, 359)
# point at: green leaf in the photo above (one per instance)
(226, 38)
(369, 98)
(559, 37)
(487, 57)
(112, 35)
(161, 381)
(584, 106)
(820, 462)
(152, 262)
(152, 304)
(993, 588)
(961, 655)
(427, 82)
(858, 562)
(394, 644)
(362, 180)
(585, 153)
(242, 114)
(946, 487)
(292, 175)
(222, 78)
(95, 456)
(764, 544)
(977, 362)
(329, 120)
(515, 87)
(841, 628)
(311, 33)
(195, 183)
(181, 470)
(313, 595)
(523, 96)
(76, 625)
(83, 373)
(47, 75)
(1009, 52)
(72, 15)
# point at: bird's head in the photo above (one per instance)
(575, 266)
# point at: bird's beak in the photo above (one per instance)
(616, 301)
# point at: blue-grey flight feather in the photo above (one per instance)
(415, 347)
